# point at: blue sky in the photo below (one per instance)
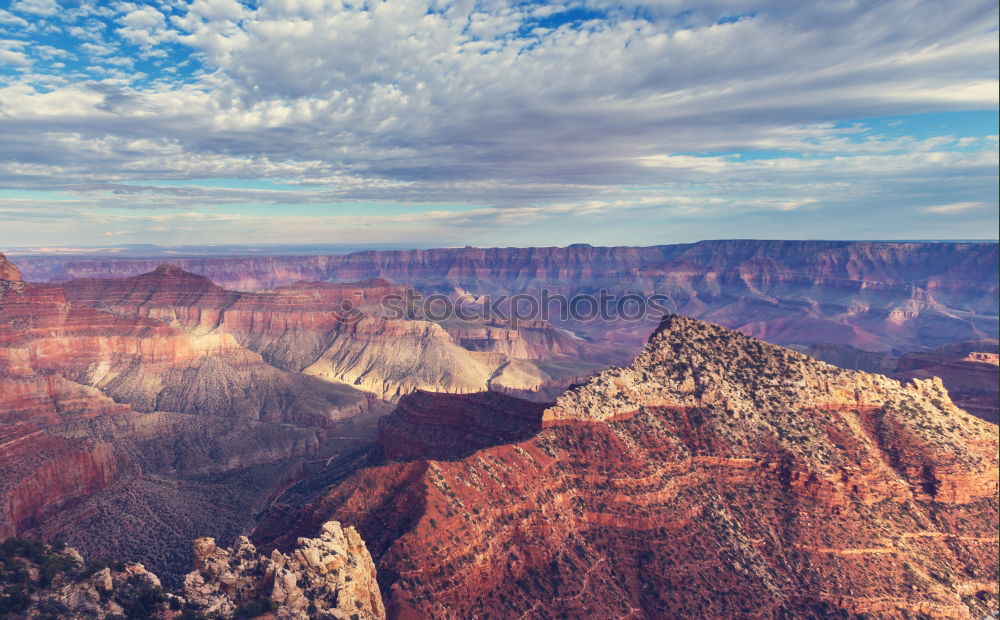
(495, 123)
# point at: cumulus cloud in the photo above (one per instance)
(8, 18)
(35, 7)
(11, 53)
(145, 26)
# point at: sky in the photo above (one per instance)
(496, 123)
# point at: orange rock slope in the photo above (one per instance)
(716, 477)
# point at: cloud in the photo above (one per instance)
(955, 207)
(11, 54)
(145, 27)
(9, 18)
(14, 58)
(517, 108)
(35, 7)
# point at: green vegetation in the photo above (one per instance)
(33, 574)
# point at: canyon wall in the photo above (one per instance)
(859, 304)
(716, 476)
(101, 408)
(338, 332)
(877, 296)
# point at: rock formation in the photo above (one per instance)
(331, 576)
(450, 426)
(108, 416)
(716, 476)
(39, 581)
(969, 370)
(151, 365)
(304, 327)
(873, 295)
(8, 271)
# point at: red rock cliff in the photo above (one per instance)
(717, 476)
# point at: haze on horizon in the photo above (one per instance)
(495, 123)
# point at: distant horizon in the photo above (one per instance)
(135, 251)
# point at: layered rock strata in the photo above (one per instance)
(716, 476)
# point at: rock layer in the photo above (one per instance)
(716, 476)
(873, 295)
(337, 332)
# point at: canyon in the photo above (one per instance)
(715, 476)
(108, 418)
(861, 305)
(339, 332)
(876, 296)
(557, 467)
(161, 393)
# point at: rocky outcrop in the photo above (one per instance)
(716, 476)
(39, 581)
(8, 271)
(969, 370)
(331, 576)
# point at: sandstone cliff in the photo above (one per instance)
(716, 476)
(8, 271)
